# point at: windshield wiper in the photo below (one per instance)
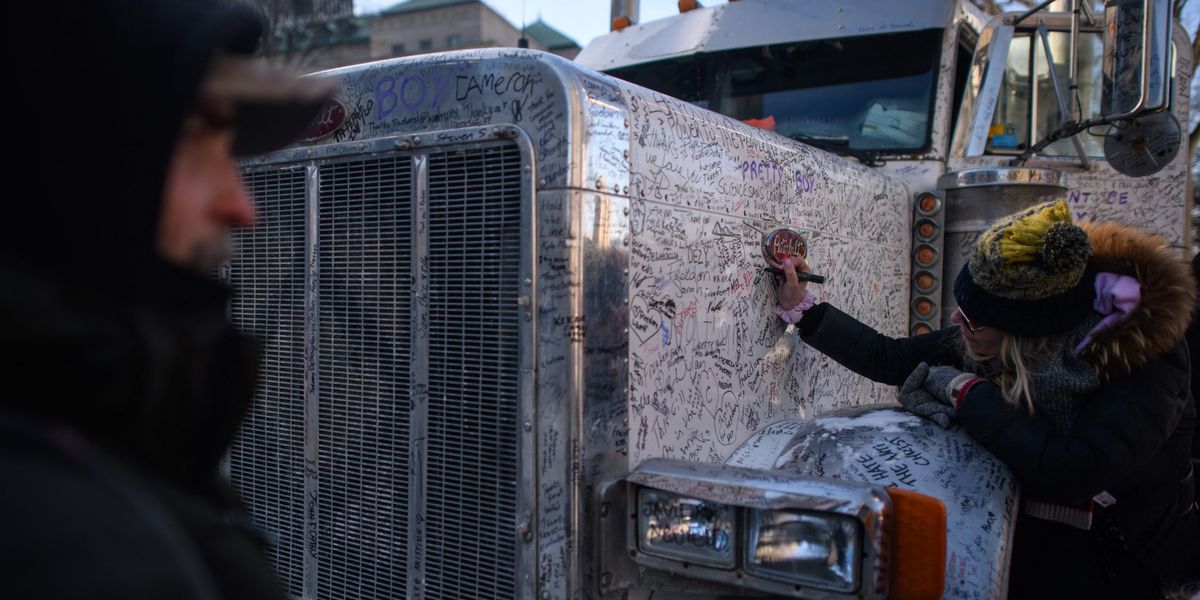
(840, 145)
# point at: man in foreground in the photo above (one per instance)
(122, 382)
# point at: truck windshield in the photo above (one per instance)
(868, 93)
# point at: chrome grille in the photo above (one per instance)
(266, 461)
(370, 432)
(365, 226)
(474, 222)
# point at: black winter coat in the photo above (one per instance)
(121, 381)
(1131, 438)
(113, 419)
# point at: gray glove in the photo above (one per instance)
(942, 382)
(919, 401)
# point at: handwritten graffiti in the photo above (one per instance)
(467, 86)
(1106, 197)
(421, 89)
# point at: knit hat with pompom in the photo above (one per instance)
(1029, 274)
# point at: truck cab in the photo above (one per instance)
(519, 343)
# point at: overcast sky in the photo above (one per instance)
(580, 20)
(583, 20)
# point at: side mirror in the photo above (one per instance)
(1137, 38)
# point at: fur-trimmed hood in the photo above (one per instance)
(1168, 295)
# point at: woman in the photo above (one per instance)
(1068, 364)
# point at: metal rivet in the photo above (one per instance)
(626, 211)
(416, 140)
(626, 155)
(542, 182)
(604, 508)
(606, 579)
(625, 271)
(528, 426)
(309, 152)
(545, 594)
(626, 331)
(628, 240)
(625, 190)
(627, 122)
(528, 282)
(528, 316)
(523, 301)
(528, 168)
(616, 188)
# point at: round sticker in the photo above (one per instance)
(783, 243)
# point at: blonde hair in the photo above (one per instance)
(1009, 368)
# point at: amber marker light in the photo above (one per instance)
(926, 229)
(921, 329)
(926, 255)
(927, 203)
(918, 559)
(686, 5)
(923, 307)
(924, 281)
(620, 23)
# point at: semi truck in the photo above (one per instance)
(519, 342)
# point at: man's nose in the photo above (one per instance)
(235, 207)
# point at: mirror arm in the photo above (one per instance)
(1030, 12)
(1064, 111)
(1065, 131)
(1087, 12)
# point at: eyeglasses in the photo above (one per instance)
(967, 321)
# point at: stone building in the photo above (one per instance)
(421, 26)
(322, 34)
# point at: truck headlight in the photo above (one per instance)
(820, 550)
(686, 529)
(784, 534)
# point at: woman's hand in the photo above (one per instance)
(793, 290)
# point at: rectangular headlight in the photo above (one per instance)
(686, 529)
(815, 549)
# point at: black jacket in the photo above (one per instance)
(1131, 438)
(122, 382)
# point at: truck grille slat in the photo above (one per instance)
(365, 226)
(366, 476)
(267, 459)
(471, 465)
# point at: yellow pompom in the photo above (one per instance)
(1022, 240)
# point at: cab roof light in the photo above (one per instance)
(620, 23)
(688, 5)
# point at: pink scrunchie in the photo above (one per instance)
(1116, 297)
(791, 317)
